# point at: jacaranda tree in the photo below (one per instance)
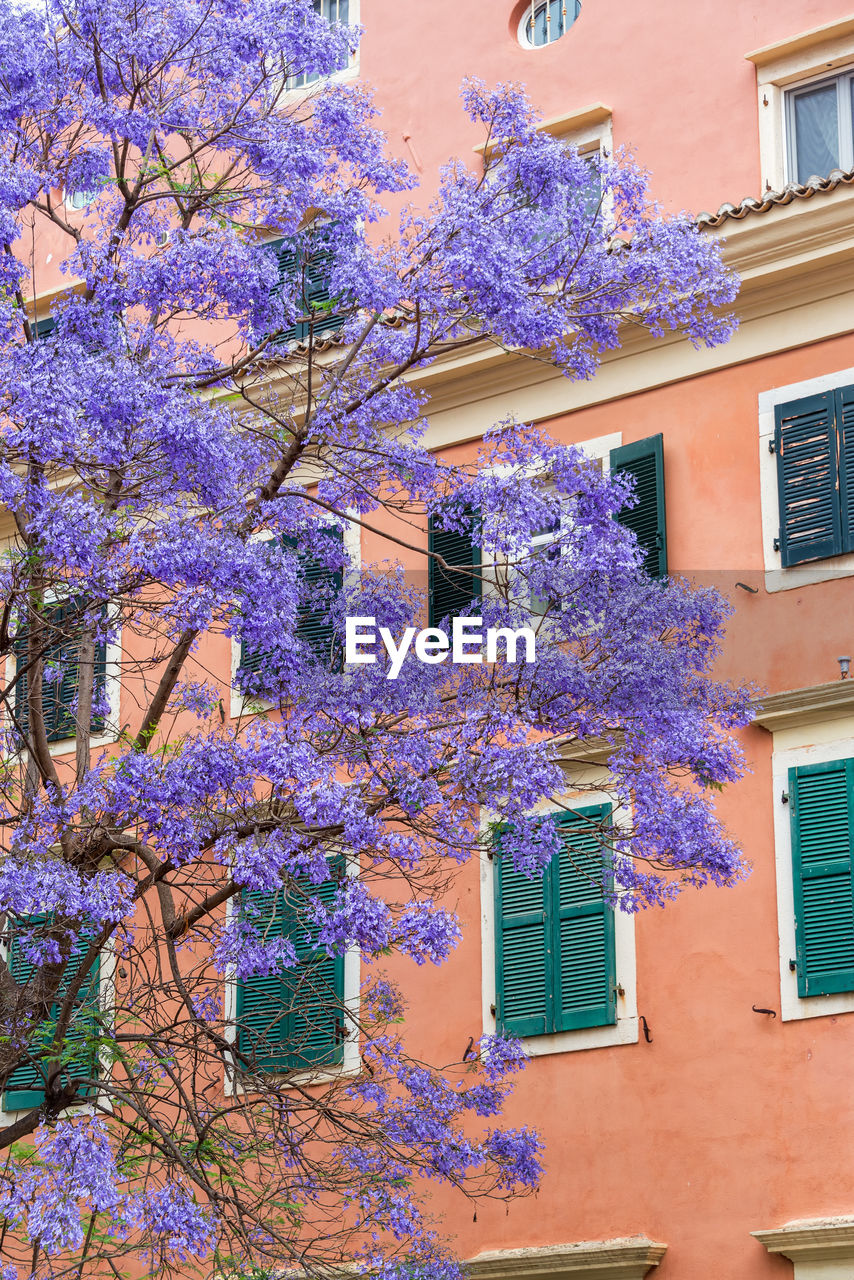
(195, 432)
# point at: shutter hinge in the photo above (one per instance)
(776, 544)
(772, 446)
(785, 797)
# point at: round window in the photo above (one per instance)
(545, 21)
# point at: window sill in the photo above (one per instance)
(626, 1030)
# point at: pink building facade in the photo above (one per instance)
(708, 1130)
(701, 1124)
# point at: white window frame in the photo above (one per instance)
(529, 13)
(626, 1029)
(345, 73)
(351, 1057)
(812, 56)
(845, 134)
(807, 744)
(776, 577)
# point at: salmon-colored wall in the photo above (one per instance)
(673, 73)
(729, 1121)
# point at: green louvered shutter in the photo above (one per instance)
(58, 696)
(314, 625)
(583, 926)
(25, 1087)
(523, 952)
(316, 298)
(821, 800)
(451, 591)
(805, 443)
(845, 437)
(291, 1020)
(318, 990)
(316, 294)
(644, 460)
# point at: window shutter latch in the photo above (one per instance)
(793, 966)
(776, 544)
(772, 446)
(785, 797)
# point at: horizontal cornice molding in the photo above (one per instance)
(816, 1240)
(806, 706)
(588, 117)
(806, 40)
(630, 1258)
(796, 264)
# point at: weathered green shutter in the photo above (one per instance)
(316, 298)
(644, 460)
(805, 443)
(523, 952)
(291, 1020)
(845, 440)
(554, 937)
(58, 696)
(25, 1087)
(314, 625)
(583, 926)
(451, 591)
(821, 800)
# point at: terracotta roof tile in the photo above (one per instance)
(814, 186)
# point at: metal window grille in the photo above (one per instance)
(549, 20)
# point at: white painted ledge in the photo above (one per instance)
(820, 1248)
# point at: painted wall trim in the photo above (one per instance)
(814, 1246)
(796, 707)
(630, 1258)
(569, 122)
(795, 44)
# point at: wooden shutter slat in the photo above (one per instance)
(821, 799)
(584, 925)
(451, 591)
(523, 959)
(58, 696)
(644, 461)
(845, 436)
(291, 1020)
(807, 479)
(25, 1087)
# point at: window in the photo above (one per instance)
(821, 810)
(44, 327)
(80, 199)
(546, 21)
(450, 591)
(337, 11)
(294, 1019)
(819, 127)
(304, 261)
(314, 626)
(644, 460)
(814, 447)
(25, 1088)
(60, 660)
(554, 936)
